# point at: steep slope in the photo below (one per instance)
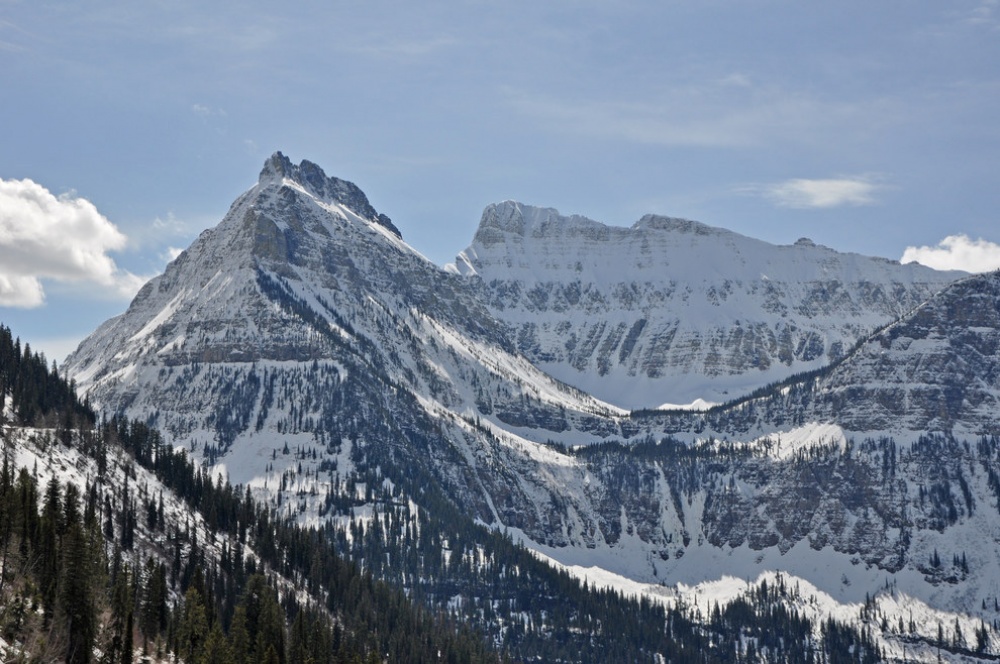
(884, 465)
(673, 311)
(114, 547)
(935, 370)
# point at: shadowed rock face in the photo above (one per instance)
(672, 310)
(937, 369)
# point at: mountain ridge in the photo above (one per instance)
(672, 311)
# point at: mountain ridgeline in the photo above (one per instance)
(303, 350)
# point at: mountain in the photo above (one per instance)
(672, 311)
(937, 369)
(303, 350)
(295, 293)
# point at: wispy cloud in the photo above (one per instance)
(804, 193)
(391, 47)
(725, 112)
(983, 14)
(957, 252)
(205, 111)
(638, 122)
(43, 236)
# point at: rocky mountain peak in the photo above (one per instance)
(278, 169)
(510, 220)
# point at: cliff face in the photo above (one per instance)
(671, 310)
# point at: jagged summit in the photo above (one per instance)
(518, 220)
(300, 279)
(278, 168)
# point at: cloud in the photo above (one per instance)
(207, 111)
(727, 112)
(63, 238)
(983, 14)
(172, 253)
(22, 292)
(957, 252)
(824, 193)
(647, 123)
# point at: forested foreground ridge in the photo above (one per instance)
(116, 547)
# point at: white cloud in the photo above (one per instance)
(43, 236)
(823, 193)
(957, 252)
(172, 253)
(983, 14)
(23, 292)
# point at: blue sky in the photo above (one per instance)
(868, 127)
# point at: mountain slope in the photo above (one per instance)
(673, 311)
(933, 371)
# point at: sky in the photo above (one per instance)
(127, 127)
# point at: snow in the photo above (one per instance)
(808, 599)
(785, 445)
(160, 318)
(701, 284)
(697, 404)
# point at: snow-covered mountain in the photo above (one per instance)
(304, 322)
(672, 311)
(298, 321)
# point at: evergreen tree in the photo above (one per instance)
(77, 594)
(48, 552)
(193, 628)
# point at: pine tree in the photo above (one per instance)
(77, 595)
(48, 552)
(239, 638)
(216, 649)
(193, 628)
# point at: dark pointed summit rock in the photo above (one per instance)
(311, 177)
